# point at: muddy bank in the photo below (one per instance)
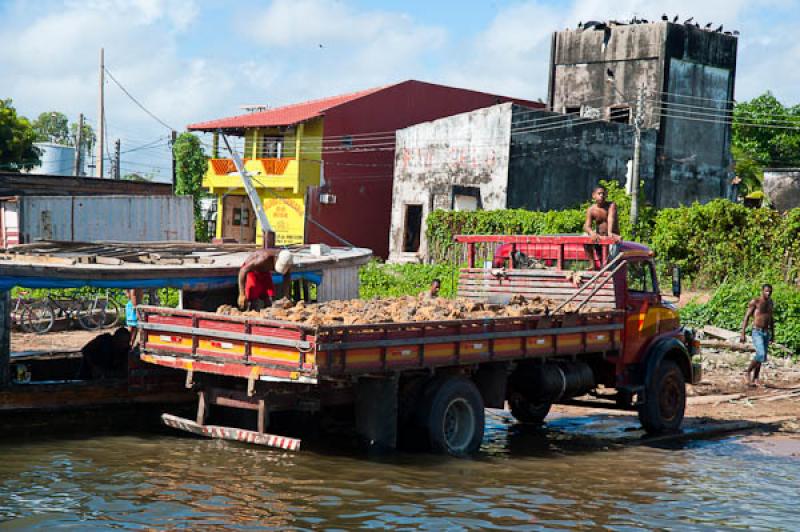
(397, 310)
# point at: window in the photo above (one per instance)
(465, 198)
(574, 110)
(237, 216)
(621, 115)
(347, 142)
(245, 216)
(412, 229)
(640, 277)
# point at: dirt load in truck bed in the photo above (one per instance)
(396, 310)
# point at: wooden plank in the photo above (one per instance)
(719, 332)
(231, 433)
(40, 259)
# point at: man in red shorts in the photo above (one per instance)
(256, 289)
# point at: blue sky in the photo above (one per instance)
(193, 60)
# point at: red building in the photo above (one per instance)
(341, 182)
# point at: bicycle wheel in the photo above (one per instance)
(91, 314)
(39, 317)
(113, 312)
(19, 316)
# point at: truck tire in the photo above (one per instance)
(454, 417)
(525, 411)
(665, 399)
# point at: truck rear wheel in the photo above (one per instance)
(455, 417)
(526, 411)
(665, 399)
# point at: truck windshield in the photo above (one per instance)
(640, 277)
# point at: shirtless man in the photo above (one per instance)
(761, 310)
(256, 289)
(601, 220)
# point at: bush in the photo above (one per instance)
(442, 226)
(387, 280)
(727, 307)
(718, 240)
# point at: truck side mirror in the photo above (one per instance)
(676, 281)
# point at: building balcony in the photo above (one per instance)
(284, 173)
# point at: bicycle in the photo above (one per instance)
(19, 312)
(42, 314)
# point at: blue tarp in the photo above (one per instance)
(198, 283)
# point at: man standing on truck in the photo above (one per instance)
(761, 310)
(256, 289)
(601, 220)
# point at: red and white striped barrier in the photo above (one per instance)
(231, 433)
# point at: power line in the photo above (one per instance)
(142, 107)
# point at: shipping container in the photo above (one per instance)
(26, 219)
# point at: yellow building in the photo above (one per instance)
(283, 160)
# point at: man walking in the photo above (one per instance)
(761, 310)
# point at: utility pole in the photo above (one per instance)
(638, 122)
(101, 118)
(174, 136)
(116, 159)
(79, 147)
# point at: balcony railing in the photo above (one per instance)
(271, 166)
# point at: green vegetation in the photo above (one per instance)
(190, 165)
(727, 306)
(763, 137)
(17, 136)
(386, 280)
(53, 126)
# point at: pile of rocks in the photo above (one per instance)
(395, 310)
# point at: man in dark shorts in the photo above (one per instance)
(601, 220)
(256, 289)
(761, 310)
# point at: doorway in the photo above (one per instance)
(238, 221)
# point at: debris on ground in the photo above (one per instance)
(397, 310)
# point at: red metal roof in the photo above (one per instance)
(282, 116)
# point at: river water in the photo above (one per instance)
(543, 480)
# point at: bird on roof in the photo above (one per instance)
(688, 20)
(580, 24)
(719, 29)
(674, 20)
(736, 32)
(664, 17)
(708, 26)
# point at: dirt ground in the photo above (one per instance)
(66, 340)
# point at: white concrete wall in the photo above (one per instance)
(469, 149)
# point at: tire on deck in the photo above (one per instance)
(526, 411)
(665, 399)
(454, 417)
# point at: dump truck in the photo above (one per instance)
(608, 340)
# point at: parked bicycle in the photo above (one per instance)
(90, 313)
(20, 310)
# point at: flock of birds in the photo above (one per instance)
(597, 25)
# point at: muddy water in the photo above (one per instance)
(549, 479)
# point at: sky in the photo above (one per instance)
(189, 61)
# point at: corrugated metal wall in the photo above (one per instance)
(339, 283)
(120, 218)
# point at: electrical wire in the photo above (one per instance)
(134, 100)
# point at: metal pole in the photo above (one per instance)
(79, 147)
(255, 200)
(116, 159)
(173, 137)
(637, 153)
(101, 118)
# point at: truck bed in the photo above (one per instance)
(259, 349)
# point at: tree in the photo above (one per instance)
(17, 136)
(190, 166)
(52, 126)
(765, 134)
(87, 139)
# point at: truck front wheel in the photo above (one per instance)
(455, 417)
(665, 399)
